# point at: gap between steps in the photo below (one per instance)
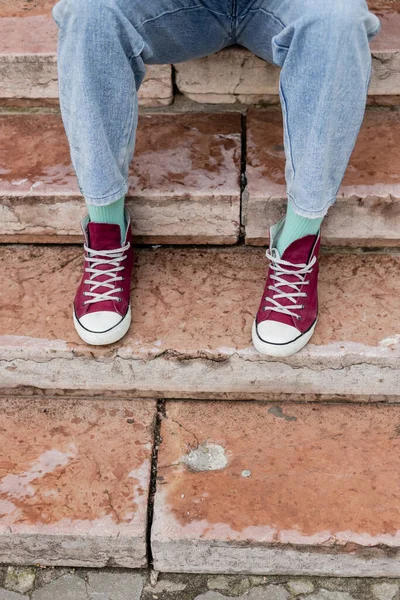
(160, 414)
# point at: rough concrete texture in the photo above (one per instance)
(191, 329)
(308, 507)
(236, 75)
(28, 67)
(84, 584)
(28, 64)
(367, 212)
(183, 187)
(74, 479)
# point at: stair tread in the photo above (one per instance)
(32, 30)
(191, 331)
(368, 206)
(293, 489)
(74, 480)
(184, 179)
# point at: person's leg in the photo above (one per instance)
(102, 50)
(322, 47)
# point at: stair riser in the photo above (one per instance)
(238, 378)
(257, 559)
(162, 220)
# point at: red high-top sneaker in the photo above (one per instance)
(288, 310)
(102, 312)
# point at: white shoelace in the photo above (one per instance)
(113, 260)
(280, 268)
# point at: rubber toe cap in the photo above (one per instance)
(101, 321)
(273, 332)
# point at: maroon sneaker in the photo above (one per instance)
(288, 310)
(102, 312)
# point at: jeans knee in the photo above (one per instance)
(82, 10)
(341, 16)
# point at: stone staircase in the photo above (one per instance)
(136, 454)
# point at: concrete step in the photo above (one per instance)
(28, 63)
(74, 481)
(367, 211)
(191, 331)
(236, 75)
(184, 182)
(28, 67)
(279, 489)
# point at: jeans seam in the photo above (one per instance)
(132, 56)
(286, 120)
(267, 12)
(121, 187)
(172, 12)
(312, 212)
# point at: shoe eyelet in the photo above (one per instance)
(119, 300)
(298, 317)
(302, 307)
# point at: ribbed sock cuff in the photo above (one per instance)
(113, 213)
(296, 227)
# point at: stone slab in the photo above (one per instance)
(367, 211)
(191, 331)
(184, 184)
(74, 480)
(28, 67)
(293, 489)
(234, 75)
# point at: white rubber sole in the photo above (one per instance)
(281, 349)
(107, 337)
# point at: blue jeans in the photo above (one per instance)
(321, 45)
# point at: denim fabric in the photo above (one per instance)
(321, 45)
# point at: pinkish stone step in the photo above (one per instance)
(367, 212)
(236, 75)
(291, 489)
(191, 331)
(74, 480)
(28, 69)
(28, 64)
(184, 182)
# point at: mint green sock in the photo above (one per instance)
(296, 227)
(110, 213)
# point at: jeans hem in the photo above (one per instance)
(311, 214)
(104, 200)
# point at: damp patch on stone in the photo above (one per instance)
(206, 457)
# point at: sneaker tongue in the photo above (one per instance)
(299, 251)
(104, 236)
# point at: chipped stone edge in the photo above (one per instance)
(340, 369)
(73, 550)
(216, 557)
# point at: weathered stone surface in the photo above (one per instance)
(184, 180)
(232, 75)
(28, 66)
(115, 586)
(236, 75)
(191, 330)
(307, 507)
(269, 592)
(67, 587)
(367, 212)
(74, 479)
(7, 595)
(300, 586)
(328, 595)
(20, 579)
(384, 591)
